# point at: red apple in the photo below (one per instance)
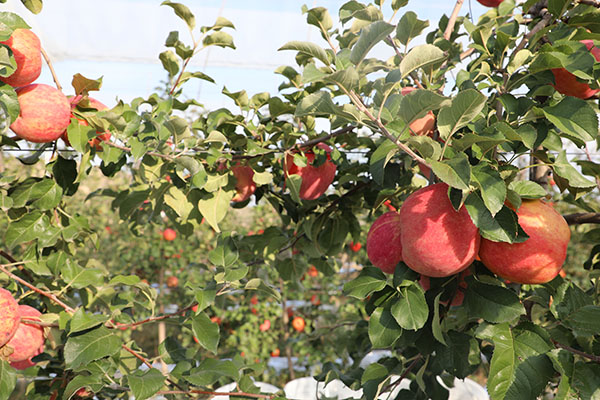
(275, 353)
(216, 320)
(254, 300)
(490, 3)
(195, 308)
(437, 240)
(567, 83)
(315, 300)
(45, 113)
(100, 136)
(172, 281)
(389, 205)
(355, 247)
(423, 126)
(28, 338)
(384, 247)
(313, 271)
(298, 324)
(244, 186)
(169, 234)
(26, 49)
(265, 326)
(21, 365)
(540, 258)
(9, 309)
(315, 180)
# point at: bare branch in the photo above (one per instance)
(546, 17)
(49, 62)
(582, 218)
(452, 20)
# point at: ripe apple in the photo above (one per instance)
(315, 180)
(275, 353)
(254, 300)
(172, 282)
(290, 312)
(315, 300)
(265, 326)
(254, 311)
(313, 271)
(423, 126)
(100, 136)
(490, 3)
(567, 83)
(45, 113)
(9, 309)
(83, 393)
(244, 186)
(21, 365)
(298, 324)
(437, 240)
(355, 247)
(169, 234)
(540, 258)
(384, 247)
(28, 338)
(26, 49)
(216, 320)
(195, 308)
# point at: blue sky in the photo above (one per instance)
(121, 39)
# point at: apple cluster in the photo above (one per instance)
(20, 341)
(45, 112)
(435, 240)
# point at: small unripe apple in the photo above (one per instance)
(45, 113)
(315, 179)
(169, 234)
(298, 324)
(384, 247)
(244, 186)
(437, 241)
(216, 320)
(101, 136)
(172, 282)
(28, 338)
(566, 83)
(490, 3)
(538, 259)
(9, 310)
(26, 49)
(423, 126)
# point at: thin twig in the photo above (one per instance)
(49, 62)
(240, 394)
(546, 17)
(142, 359)
(582, 218)
(150, 153)
(570, 349)
(31, 321)
(452, 20)
(151, 319)
(391, 386)
(35, 289)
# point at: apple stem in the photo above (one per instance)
(37, 290)
(49, 63)
(452, 20)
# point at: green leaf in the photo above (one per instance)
(83, 85)
(10, 22)
(456, 172)
(178, 201)
(182, 12)
(308, 48)
(436, 328)
(528, 189)
(411, 310)
(214, 206)
(31, 226)
(47, 194)
(465, 107)
(169, 62)
(493, 188)
(586, 380)
(383, 329)
(220, 39)
(563, 168)
(368, 281)
(211, 370)
(260, 286)
(410, 27)
(94, 345)
(316, 103)
(205, 296)
(585, 321)
(225, 254)
(206, 331)
(369, 37)
(319, 17)
(9, 102)
(83, 321)
(347, 78)
(492, 303)
(574, 117)
(502, 227)
(422, 56)
(145, 384)
(380, 158)
(8, 379)
(419, 102)
(35, 6)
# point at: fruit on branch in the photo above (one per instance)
(298, 324)
(169, 234)
(355, 247)
(315, 301)
(437, 240)
(45, 113)
(423, 126)
(216, 320)
(315, 179)
(254, 300)
(458, 297)
(265, 326)
(21, 365)
(566, 83)
(384, 247)
(490, 3)
(172, 282)
(28, 338)
(26, 49)
(96, 105)
(9, 310)
(275, 353)
(540, 258)
(313, 271)
(244, 186)
(83, 393)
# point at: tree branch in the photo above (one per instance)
(570, 349)
(582, 218)
(546, 17)
(452, 20)
(391, 386)
(49, 62)
(594, 3)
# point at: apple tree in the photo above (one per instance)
(463, 130)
